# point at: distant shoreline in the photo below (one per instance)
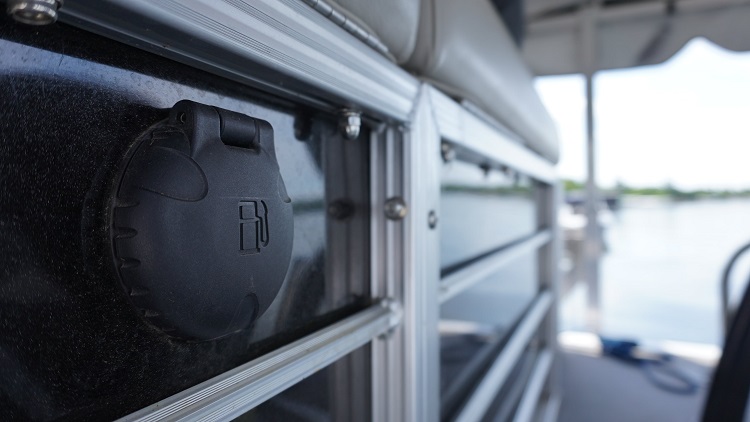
(574, 188)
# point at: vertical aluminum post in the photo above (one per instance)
(405, 268)
(548, 200)
(422, 280)
(592, 243)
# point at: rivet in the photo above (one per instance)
(432, 219)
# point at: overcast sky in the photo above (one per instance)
(685, 122)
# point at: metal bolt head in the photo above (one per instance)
(395, 208)
(432, 219)
(303, 126)
(351, 123)
(341, 209)
(486, 168)
(448, 152)
(34, 12)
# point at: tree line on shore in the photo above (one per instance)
(668, 190)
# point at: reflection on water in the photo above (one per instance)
(660, 276)
(481, 211)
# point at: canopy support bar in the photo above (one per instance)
(592, 244)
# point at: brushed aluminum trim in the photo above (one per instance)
(464, 128)
(236, 38)
(529, 403)
(460, 280)
(498, 373)
(235, 392)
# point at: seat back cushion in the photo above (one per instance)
(465, 48)
(394, 22)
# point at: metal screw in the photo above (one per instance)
(448, 152)
(34, 12)
(486, 168)
(351, 123)
(341, 209)
(303, 127)
(397, 315)
(432, 219)
(395, 208)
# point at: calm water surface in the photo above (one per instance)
(660, 275)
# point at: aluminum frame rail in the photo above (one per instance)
(534, 387)
(405, 367)
(498, 373)
(283, 46)
(460, 280)
(551, 409)
(460, 125)
(235, 392)
(550, 197)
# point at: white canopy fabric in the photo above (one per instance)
(583, 36)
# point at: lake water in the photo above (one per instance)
(660, 276)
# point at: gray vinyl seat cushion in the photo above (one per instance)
(394, 22)
(464, 47)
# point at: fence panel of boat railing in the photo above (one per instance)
(235, 392)
(409, 291)
(289, 50)
(469, 139)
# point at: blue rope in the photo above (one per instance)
(660, 371)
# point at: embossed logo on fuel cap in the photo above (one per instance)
(253, 226)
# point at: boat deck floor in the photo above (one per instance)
(606, 389)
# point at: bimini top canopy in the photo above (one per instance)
(583, 36)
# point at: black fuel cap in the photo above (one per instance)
(201, 223)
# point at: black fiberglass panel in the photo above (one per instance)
(71, 346)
